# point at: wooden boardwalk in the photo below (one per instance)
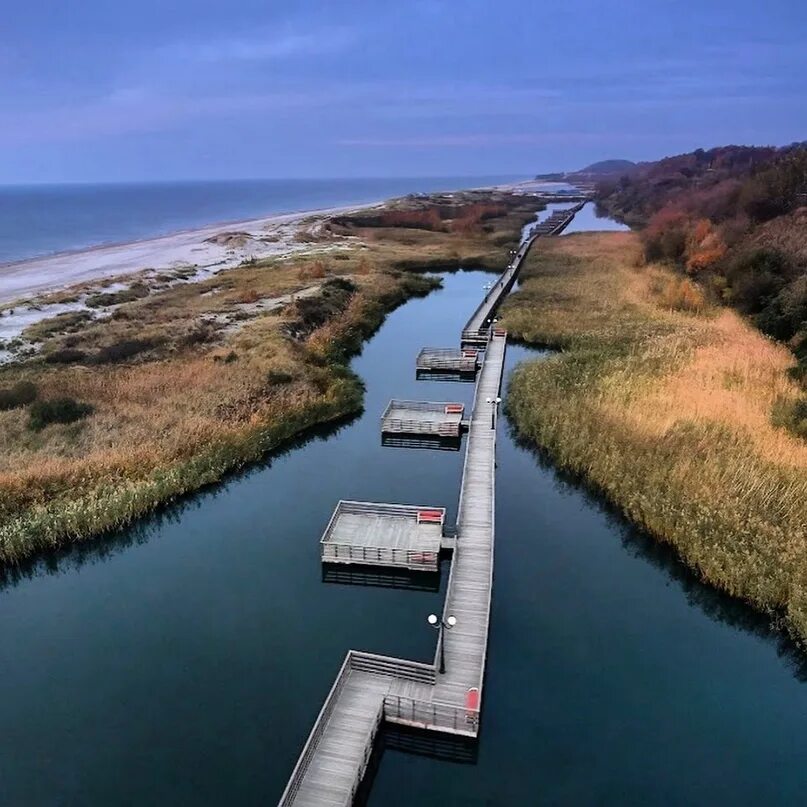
(444, 418)
(477, 328)
(448, 359)
(371, 689)
(372, 534)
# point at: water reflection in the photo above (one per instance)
(432, 443)
(381, 576)
(443, 375)
(416, 742)
(69, 559)
(717, 605)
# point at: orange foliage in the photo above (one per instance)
(418, 219)
(470, 217)
(704, 247)
(681, 294)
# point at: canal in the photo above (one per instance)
(183, 661)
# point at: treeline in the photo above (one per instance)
(735, 217)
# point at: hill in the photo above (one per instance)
(732, 217)
(609, 167)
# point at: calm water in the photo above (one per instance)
(42, 219)
(184, 662)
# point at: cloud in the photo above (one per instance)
(265, 47)
(478, 140)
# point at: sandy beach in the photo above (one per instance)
(215, 246)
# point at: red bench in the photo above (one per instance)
(454, 409)
(430, 516)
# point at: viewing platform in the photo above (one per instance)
(448, 359)
(395, 535)
(443, 697)
(444, 419)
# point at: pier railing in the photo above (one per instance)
(379, 556)
(357, 661)
(334, 550)
(431, 715)
(310, 747)
(417, 671)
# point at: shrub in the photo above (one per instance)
(61, 323)
(249, 296)
(125, 349)
(65, 355)
(104, 299)
(313, 271)
(278, 377)
(682, 295)
(199, 335)
(57, 410)
(415, 219)
(21, 394)
(756, 278)
(791, 415)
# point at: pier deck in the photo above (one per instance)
(370, 689)
(394, 535)
(444, 419)
(448, 359)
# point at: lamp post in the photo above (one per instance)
(439, 625)
(495, 403)
(487, 287)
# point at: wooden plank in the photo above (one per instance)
(372, 688)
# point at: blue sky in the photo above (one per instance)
(162, 89)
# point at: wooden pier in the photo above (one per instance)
(444, 419)
(445, 695)
(477, 329)
(395, 535)
(448, 359)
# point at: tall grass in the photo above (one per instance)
(667, 409)
(220, 384)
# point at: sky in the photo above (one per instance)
(98, 90)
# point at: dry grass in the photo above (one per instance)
(667, 409)
(214, 382)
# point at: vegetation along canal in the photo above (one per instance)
(184, 661)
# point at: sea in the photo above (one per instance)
(37, 220)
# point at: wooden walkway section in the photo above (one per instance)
(448, 359)
(444, 419)
(371, 689)
(478, 327)
(395, 535)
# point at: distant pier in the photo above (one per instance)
(444, 696)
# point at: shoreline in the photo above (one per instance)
(183, 247)
(186, 247)
(180, 390)
(634, 402)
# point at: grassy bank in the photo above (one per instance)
(162, 389)
(668, 407)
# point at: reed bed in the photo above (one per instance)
(187, 383)
(667, 410)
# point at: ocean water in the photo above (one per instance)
(44, 219)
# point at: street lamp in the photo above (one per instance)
(439, 625)
(495, 402)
